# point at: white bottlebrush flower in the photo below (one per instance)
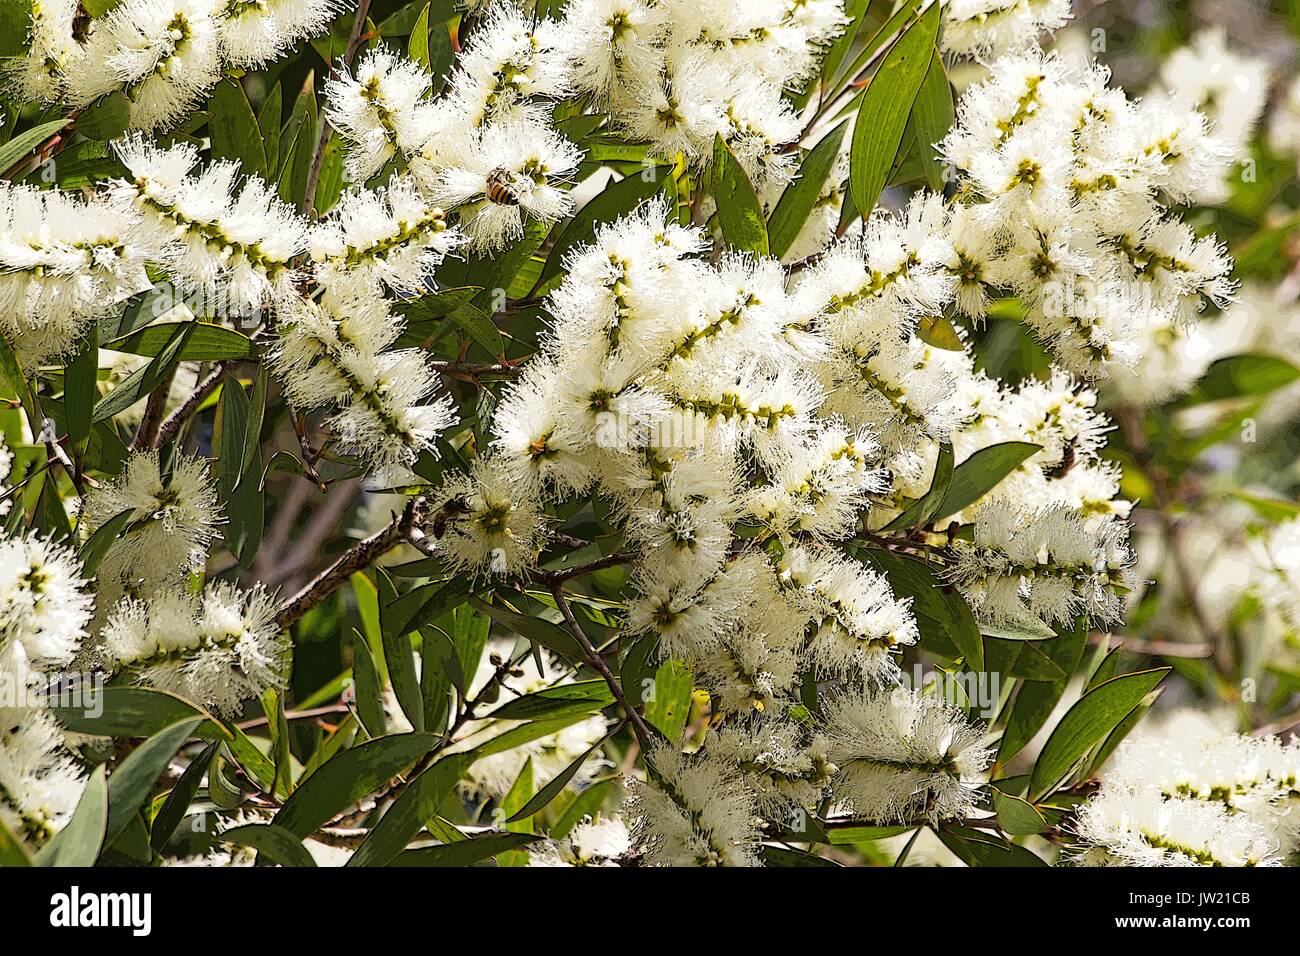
(1141, 827)
(173, 520)
(380, 110)
(993, 28)
(391, 237)
(234, 249)
(217, 649)
(167, 53)
(54, 48)
(590, 843)
(508, 64)
(785, 771)
(255, 32)
(498, 176)
(64, 262)
(693, 811)
(484, 523)
(610, 43)
(1049, 565)
(902, 756)
(335, 355)
(40, 782)
(44, 606)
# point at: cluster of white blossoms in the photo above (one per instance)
(676, 74)
(40, 781)
(994, 28)
(486, 150)
(1062, 184)
(45, 610)
(589, 843)
(64, 261)
(166, 55)
(219, 647)
(1191, 794)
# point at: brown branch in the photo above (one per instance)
(644, 735)
(359, 556)
(1154, 648)
(172, 424)
(318, 158)
(561, 575)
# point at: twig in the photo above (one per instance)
(318, 158)
(644, 734)
(1154, 648)
(172, 424)
(358, 556)
(608, 561)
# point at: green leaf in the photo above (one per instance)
(97, 545)
(272, 842)
(537, 630)
(178, 801)
(1087, 723)
(133, 779)
(1017, 816)
(584, 697)
(674, 683)
(932, 116)
(233, 129)
(884, 107)
(739, 211)
(78, 843)
(369, 688)
(1034, 703)
(780, 856)
(206, 342)
(466, 852)
(978, 848)
(800, 197)
(12, 152)
(586, 804)
(478, 325)
(418, 47)
(400, 657)
(417, 803)
(347, 778)
(268, 122)
(552, 790)
(79, 390)
(922, 511)
(942, 617)
(980, 473)
(938, 330)
(615, 200)
(144, 380)
(127, 712)
(106, 118)
(1241, 375)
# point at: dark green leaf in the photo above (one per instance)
(78, 843)
(980, 473)
(800, 197)
(739, 211)
(884, 107)
(133, 779)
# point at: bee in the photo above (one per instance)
(1061, 469)
(500, 187)
(81, 23)
(449, 512)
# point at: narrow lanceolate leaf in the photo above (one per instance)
(924, 509)
(552, 790)
(980, 473)
(417, 803)
(26, 142)
(79, 387)
(466, 852)
(178, 801)
(347, 778)
(78, 843)
(800, 197)
(143, 381)
(133, 779)
(884, 107)
(739, 211)
(932, 116)
(233, 129)
(273, 843)
(1086, 724)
